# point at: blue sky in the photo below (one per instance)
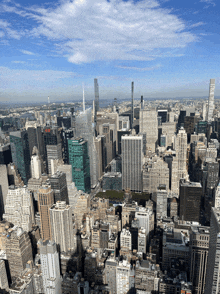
(169, 48)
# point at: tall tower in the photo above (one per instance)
(3, 276)
(79, 159)
(211, 104)
(20, 153)
(19, 208)
(132, 162)
(84, 129)
(18, 250)
(45, 201)
(149, 127)
(213, 265)
(50, 267)
(132, 104)
(35, 167)
(62, 226)
(96, 89)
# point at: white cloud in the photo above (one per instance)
(139, 68)
(18, 62)
(7, 31)
(94, 30)
(198, 24)
(32, 76)
(209, 2)
(27, 52)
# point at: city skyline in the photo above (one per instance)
(169, 49)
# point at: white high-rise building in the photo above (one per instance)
(145, 219)
(35, 167)
(19, 208)
(132, 162)
(84, 129)
(124, 277)
(53, 152)
(179, 164)
(211, 104)
(50, 267)
(213, 264)
(3, 276)
(125, 240)
(62, 226)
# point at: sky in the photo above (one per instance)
(169, 49)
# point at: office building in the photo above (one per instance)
(21, 153)
(59, 186)
(155, 172)
(149, 126)
(190, 201)
(179, 164)
(62, 226)
(212, 284)
(112, 181)
(64, 122)
(66, 135)
(146, 277)
(35, 139)
(199, 247)
(142, 240)
(5, 153)
(45, 201)
(85, 130)
(124, 277)
(53, 152)
(126, 240)
(3, 276)
(50, 267)
(79, 159)
(211, 104)
(3, 187)
(110, 273)
(19, 208)
(132, 162)
(18, 250)
(35, 167)
(161, 207)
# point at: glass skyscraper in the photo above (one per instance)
(21, 154)
(79, 159)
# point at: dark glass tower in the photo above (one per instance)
(35, 138)
(21, 153)
(79, 159)
(66, 135)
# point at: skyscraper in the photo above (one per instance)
(45, 201)
(132, 162)
(85, 130)
(211, 104)
(96, 89)
(35, 167)
(18, 250)
(20, 153)
(62, 226)
(149, 126)
(79, 159)
(19, 208)
(35, 138)
(213, 266)
(199, 245)
(50, 267)
(59, 186)
(3, 187)
(161, 208)
(190, 201)
(3, 276)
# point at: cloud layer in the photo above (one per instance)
(100, 30)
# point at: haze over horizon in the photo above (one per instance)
(169, 49)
